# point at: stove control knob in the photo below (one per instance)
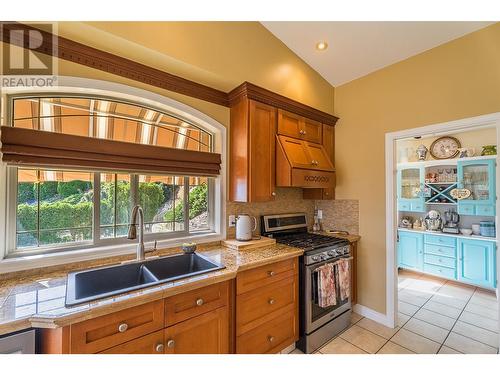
(331, 253)
(315, 258)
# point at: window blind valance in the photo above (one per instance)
(28, 147)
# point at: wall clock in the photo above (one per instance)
(445, 148)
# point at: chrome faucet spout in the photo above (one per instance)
(132, 230)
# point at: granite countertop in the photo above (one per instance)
(38, 300)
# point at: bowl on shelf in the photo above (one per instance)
(466, 231)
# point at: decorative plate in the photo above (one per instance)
(460, 194)
(445, 148)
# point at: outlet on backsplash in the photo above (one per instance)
(232, 221)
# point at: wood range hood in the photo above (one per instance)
(303, 164)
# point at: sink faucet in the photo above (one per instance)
(132, 230)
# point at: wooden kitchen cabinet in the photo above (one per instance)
(267, 308)
(195, 322)
(328, 142)
(205, 334)
(150, 344)
(252, 152)
(293, 125)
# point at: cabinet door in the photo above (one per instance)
(262, 152)
(318, 156)
(411, 250)
(410, 181)
(311, 130)
(478, 176)
(477, 262)
(289, 124)
(296, 152)
(149, 344)
(204, 334)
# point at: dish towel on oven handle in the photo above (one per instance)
(344, 278)
(327, 292)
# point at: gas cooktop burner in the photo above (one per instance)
(308, 241)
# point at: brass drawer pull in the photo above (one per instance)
(159, 348)
(199, 302)
(170, 343)
(271, 301)
(271, 273)
(122, 327)
(270, 338)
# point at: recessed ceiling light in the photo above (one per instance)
(321, 46)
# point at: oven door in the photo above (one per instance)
(316, 316)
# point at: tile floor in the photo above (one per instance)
(435, 316)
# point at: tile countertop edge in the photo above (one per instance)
(471, 237)
(144, 295)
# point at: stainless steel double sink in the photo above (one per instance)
(90, 285)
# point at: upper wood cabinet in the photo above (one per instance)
(299, 127)
(328, 142)
(252, 152)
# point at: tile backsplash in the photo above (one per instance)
(288, 200)
(337, 214)
(342, 214)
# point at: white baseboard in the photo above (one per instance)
(372, 314)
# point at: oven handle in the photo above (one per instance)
(328, 261)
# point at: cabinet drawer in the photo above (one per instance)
(270, 337)
(485, 210)
(403, 206)
(264, 275)
(257, 306)
(465, 209)
(312, 130)
(95, 335)
(440, 250)
(440, 240)
(417, 207)
(440, 261)
(196, 302)
(149, 344)
(449, 273)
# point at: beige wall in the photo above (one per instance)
(456, 80)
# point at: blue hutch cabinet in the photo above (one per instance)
(478, 176)
(410, 181)
(411, 250)
(477, 261)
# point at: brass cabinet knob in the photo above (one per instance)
(170, 343)
(122, 327)
(271, 301)
(270, 338)
(271, 273)
(302, 132)
(199, 302)
(273, 193)
(159, 348)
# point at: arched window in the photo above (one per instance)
(73, 196)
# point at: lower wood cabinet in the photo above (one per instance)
(256, 313)
(205, 334)
(194, 322)
(149, 344)
(267, 308)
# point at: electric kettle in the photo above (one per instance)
(245, 225)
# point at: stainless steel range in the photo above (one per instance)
(318, 323)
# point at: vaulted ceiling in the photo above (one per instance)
(356, 49)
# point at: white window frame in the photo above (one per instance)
(83, 86)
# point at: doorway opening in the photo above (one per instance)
(441, 220)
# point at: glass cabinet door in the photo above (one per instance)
(477, 178)
(410, 183)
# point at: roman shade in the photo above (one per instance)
(28, 147)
